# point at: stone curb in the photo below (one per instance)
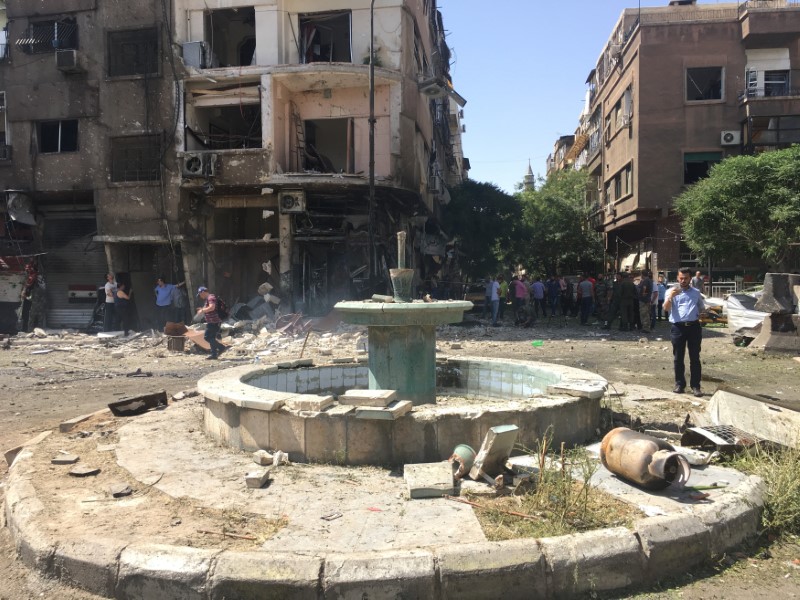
(562, 567)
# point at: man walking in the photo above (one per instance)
(586, 298)
(698, 282)
(537, 297)
(213, 322)
(495, 300)
(684, 304)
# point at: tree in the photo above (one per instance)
(557, 218)
(484, 221)
(747, 205)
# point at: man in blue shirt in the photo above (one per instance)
(164, 294)
(684, 304)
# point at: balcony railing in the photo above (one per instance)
(774, 91)
(767, 4)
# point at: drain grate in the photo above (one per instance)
(721, 436)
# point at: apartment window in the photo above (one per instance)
(133, 52)
(696, 165)
(703, 83)
(776, 83)
(58, 136)
(627, 175)
(136, 158)
(46, 36)
(231, 35)
(325, 37)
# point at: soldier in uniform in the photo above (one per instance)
(627, 299)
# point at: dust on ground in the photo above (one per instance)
(47, 380)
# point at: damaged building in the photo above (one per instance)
(225, 144)
(676, 89)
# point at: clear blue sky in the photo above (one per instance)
(522, 66)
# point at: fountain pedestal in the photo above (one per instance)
(402, 343)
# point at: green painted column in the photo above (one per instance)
(404, 359)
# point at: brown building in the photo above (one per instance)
(225, 147)
(675, 90)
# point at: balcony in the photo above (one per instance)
(773, 21)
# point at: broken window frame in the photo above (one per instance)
(42, 37)
(63, 142)
(701, 80)
(214, 52)
(144, 151)
(305, 43)
(145, 43)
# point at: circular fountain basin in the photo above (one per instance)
(294, 407)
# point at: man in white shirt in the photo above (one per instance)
(109, 317)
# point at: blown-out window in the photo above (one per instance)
(703, 83)
(58, 136)
(46, 36)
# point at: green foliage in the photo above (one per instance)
(747, 205)
(560, 239)
(485, 221)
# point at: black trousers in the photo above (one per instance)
(687, 337)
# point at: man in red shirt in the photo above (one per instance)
(213, 322)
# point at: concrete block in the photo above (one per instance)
(310, 402)
(376, 398)
(326, 438)
(262, 457)
(394, 411)
(580, 388)
(429, 480)
(64, 459)
(259, 575)
(594, 561)
(495, 450)
(254, 429)
(89, 564)
(287, 432)
(380, 575)
(369, 442)
(161, 571)
(257, 479)
(672, 544)
(511, 570)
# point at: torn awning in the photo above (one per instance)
(629, 261)
(20, 207)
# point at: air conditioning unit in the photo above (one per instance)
(435, 184)
(611, 211)
(627, 119)
(69, 61)
(292, 201)
(194, 165)
(730, 137)
(195, 54)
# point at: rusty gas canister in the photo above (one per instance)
(644, 460)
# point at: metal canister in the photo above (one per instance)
(644, 460)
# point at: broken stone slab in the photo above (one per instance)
(495, 450)
(580, 388)
(394, 411)
(378, 398)
(293, 364)
(382, 298)
(39, 333)
(262, 457)
(12, 453)
(476, 488)
(136, 405)
(455, 346)
(310, 402)
(257, 479)
(339, 410)
(65, 459)
(118, 354)
(429, 480)
(343, 360)
(84, 471)
(69, 425)
(120, 490)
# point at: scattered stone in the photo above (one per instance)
(118, 354)
(379, 398)
(394, 411)
(65, 459)
(429, 480)
(136, 405)
(477, 488)
(120, 490)
(175, 522)
(257, 479)
(262, 457)
(382, 298)
(84, 471)
(325, 351)
(340, 361)
(39, 333)
(67, 426)
(179, 396)
(494, 452)
(280, 458)
(48, 351)
(11, 454)
(455, 346)
(106, 447)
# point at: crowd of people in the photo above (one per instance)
(632, 302)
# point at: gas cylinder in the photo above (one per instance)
(644, 460)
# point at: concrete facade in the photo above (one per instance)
(675, 90)
(228, 143)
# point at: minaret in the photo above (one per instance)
(528, 181)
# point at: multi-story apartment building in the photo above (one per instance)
(676, 89)
(226, 144)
